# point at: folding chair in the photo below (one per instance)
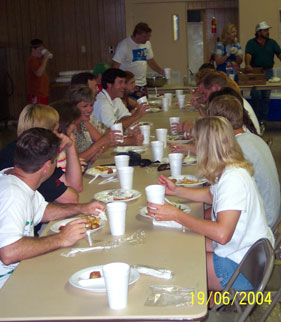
(277, 250)
(256, 266)
(277, 235)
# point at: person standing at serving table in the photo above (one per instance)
(37, 79)
(134, 53)
(260, 52)
(22, 206)
(228, 52)
(238, 217)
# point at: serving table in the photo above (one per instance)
(39, 290)
(173, 88)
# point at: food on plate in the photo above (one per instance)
(122, 195)
(104, 169)
(185, 180)
(95, 274)
(93, 222)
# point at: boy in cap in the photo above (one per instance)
(98, 70)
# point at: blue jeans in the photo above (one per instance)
(260, 99)
(224, 268)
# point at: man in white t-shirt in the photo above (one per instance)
(22, 206)
(255, 150)
(134, 53)
(108, 107)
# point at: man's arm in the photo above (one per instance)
(128, 120)
(153, 65)
(279, 56)
(28, 247)
(55, 211)
(248, 59)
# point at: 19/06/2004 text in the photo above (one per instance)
(226, 298)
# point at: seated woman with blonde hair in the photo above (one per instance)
(238, 216)
(62, 186)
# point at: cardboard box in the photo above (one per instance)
(255, 78)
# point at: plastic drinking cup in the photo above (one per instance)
(126, 175)
(145, 131)
(118, 127)
(117, 217)
(175, 160)
(172, 125)
(157, 150)
(121, 161)
(116, 276)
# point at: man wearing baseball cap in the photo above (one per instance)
(260, 52)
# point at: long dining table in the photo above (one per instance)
(39, 289)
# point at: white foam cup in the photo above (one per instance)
(179, 92)
(121, 161)
(173, 120)
(175, 160)
(126, 175)
(143, 99)
(161, 135)
(181, 101)
(116, 276)
(117, 217)
(165, 104)
(145, 131)
(118, 127)
(167, 72)
(155, 193)
(157, 150)
(169, 96)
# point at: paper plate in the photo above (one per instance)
(193, 180)
(97, 284)
(117, 195)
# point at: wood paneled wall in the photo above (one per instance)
(64, 26)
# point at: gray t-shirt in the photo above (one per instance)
(257, 152)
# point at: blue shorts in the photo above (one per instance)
(224, 268)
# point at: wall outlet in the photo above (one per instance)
(83, 49)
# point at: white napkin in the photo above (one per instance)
(169, 224)
(154, 271)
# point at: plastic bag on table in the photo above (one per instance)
(136, 238)
(169, 295)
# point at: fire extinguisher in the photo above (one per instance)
(214, 25)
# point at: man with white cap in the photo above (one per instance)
(260, 52)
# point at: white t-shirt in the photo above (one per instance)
(257, 152)
(21, 209)
(133, 57)
(252, 115)
(237, 190)
(107, 111)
